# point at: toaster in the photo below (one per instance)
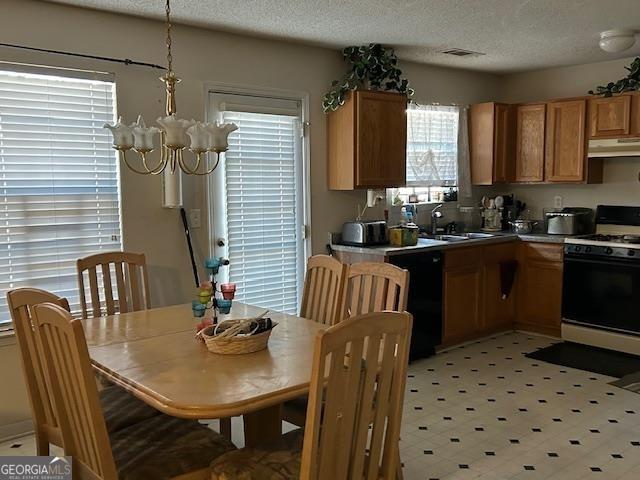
(569, 221)
(362, 234)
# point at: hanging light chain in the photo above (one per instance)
(169, 56)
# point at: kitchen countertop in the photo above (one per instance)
(428, 244)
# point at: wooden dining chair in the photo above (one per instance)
(368, 287)
(161, 448)
(129, 293)
(355, 409)
(323, 289)
(324, 285)
(120, 408)
(375, 287)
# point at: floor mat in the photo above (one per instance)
(591, 359)
(629, 382)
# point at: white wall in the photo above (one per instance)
(200, 56)
(621, 185)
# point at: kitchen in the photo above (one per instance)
(561, 141)
(521, 340)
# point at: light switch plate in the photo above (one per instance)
(194, 218)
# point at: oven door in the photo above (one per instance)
(603, 292)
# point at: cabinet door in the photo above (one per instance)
(504, 142)
(609, 116)
(565, 141)
(540, 287)
(462, 304)
(530, 143)
(542, 294)
(498, 310)
(381, 140)
(482, 126)
(634, 124)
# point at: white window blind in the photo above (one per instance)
(58, 180)
(263, 208)
(432, 145)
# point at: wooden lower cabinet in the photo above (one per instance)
(473, 302)
(539, 306)
(499, 309)
(462, 303)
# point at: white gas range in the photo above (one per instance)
(601, 287)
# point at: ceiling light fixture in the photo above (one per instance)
(175, 133)
(618, 40)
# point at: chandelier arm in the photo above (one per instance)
(183, 164)
(162, 164)
(207, 172)
(123, 156)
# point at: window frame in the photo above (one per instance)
(6, 326)
(412, 186)
(212, 184)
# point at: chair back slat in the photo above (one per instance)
(108, 289)
(375, 287)
(21, 302)
(122, 289)
(93, 288)
(355, 398)
(130, 291)
(323, 288)
(62, 344)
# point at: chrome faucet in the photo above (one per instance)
(435, 215)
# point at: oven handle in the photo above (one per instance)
(612, 261)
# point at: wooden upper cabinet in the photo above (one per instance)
(609, 116)
(491, 143)
(367, 141)
(530, 140)
(565, 157)
(634, 124)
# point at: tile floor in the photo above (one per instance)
(485, 411)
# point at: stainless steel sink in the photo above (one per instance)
(476, 235)
(446, 238)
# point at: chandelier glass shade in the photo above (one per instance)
(174, 135)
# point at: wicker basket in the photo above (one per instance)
(237, 345)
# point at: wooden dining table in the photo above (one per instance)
(155, 356)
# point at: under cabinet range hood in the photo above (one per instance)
(614, 147)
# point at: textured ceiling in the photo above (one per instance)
(515, 35)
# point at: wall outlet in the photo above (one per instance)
(557, 201)
(194, 218)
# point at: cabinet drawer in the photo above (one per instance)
(463, 257)
(543, 251)
(500, 252)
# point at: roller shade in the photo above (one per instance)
(58, 180)
(263, 227)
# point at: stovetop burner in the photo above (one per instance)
(632, 239)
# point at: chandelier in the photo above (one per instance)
(175, 134)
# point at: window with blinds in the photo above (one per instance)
(432, 145)
(58, 180)
(260, 202)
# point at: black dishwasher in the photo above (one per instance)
(425, 300)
